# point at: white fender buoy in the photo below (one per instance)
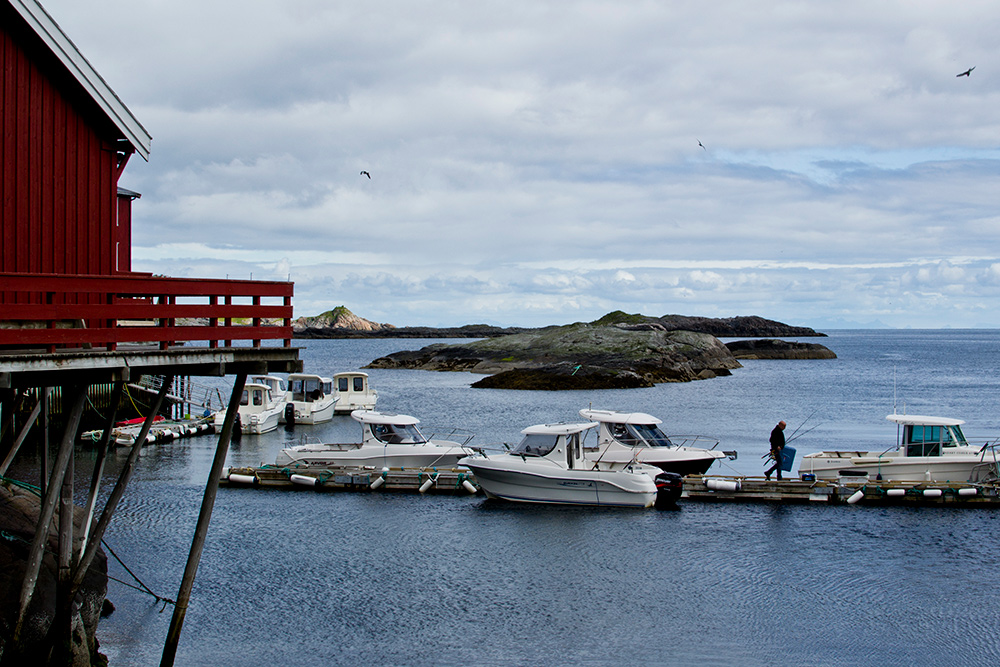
(242, 479)
(150, 438)
(895, 493)
(855, 497)
(304, 480)
(722, 485)
(469, 486)
(379, 481)
(426, 485)
(932, 493)
(968, 491)
(225, 473)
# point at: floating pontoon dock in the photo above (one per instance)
(412, 480)
(853, 491)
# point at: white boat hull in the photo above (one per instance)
(354, 456)
(532, 484)
(313, 413)
(832, 465)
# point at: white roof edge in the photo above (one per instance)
(373, 417)
(350, 373)
(614, 417)
(558, 429)
(63, 47)
(925, 420)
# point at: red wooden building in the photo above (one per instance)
(65, 256)
(74, 314)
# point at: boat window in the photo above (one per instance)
(328, 388)
(258, 397)
(359, 384)
(306, 391)
(342, 384)
(923, 440)
(640, 435)
(536, 444)
(245, 398)
(396, 434)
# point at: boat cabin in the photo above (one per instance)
(354, 391)
(304, 388)
(928, 436)
(272, 382)
(555, 441)
(256, 395)
(384, 428)
(632, 429)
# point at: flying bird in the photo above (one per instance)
(702, 146)
(967, 72)
(365, 173)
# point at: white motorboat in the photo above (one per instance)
(354, 392)
(928, 449)
(628, 436)
(259, 411)
(387, 441)
(550, 465)
(310, 399)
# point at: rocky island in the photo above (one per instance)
(616, 351)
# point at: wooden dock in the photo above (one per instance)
(455, 481)
(719, 488)
(697, 488)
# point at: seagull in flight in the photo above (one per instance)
(365, 173)
(967, 72)
(702, 146)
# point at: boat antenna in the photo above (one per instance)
(894, 389)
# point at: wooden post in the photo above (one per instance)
(24, 433)
(119, 490)
(201, 529)
(102, 452)
(43, 473)
(46, 510)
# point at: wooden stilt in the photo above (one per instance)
(80, 571)
(201, 529)
(48, 507)
(43, 473)
(102, 452)
(24, 432)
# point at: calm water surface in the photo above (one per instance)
(306, 578)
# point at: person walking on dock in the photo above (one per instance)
(777, 444)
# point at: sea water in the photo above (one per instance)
(314, 578)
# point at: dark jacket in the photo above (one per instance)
(777, 438)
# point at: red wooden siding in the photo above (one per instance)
(59, 180)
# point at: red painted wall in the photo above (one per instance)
(58, 196)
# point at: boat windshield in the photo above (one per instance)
(536, 444)
(927, 440)
(396, 434)
(640, 435)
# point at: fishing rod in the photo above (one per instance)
(796, 437)
(804, 421)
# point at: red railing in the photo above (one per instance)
(48, 310)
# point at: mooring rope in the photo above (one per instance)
(142, 586)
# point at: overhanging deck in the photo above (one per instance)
(43, 369)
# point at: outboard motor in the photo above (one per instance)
(668, 489)
(289, 416)
(237, 434)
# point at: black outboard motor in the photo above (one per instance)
(668, 489)
(289, 416)
(237, 433)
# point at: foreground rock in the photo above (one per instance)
(18, 517)
(778, 349)
(577, 356)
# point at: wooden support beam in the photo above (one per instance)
(102, 452)
(80, 571)
(24, 432)
(201, 529)
(48, 507)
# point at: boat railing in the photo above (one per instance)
(700, 441)
(447, 433)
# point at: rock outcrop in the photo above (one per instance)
(18, 517)
(778, 349)
(340, 319)
(745, 326)
(577, 356)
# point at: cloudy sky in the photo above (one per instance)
(539, 163)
